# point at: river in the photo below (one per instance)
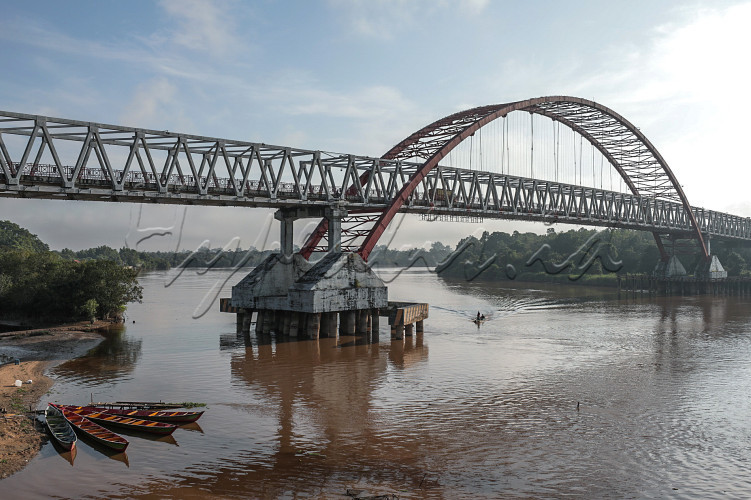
(564, 391)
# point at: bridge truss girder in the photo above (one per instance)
(91, 161)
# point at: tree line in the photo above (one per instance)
(586, 256)
(99, 282)
(39, 285)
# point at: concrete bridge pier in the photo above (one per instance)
(295, 298)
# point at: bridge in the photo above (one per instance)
(520, 160)
(55, 158)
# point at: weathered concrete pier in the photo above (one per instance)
(337, 295)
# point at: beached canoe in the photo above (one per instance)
(134, 424)
(94, 431)
(175, 417)
(60, 429)
(139, 405)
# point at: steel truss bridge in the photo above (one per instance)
(54, 158)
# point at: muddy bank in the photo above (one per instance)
(37, 350)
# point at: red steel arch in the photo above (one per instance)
(633, 156)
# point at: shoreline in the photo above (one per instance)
(21, 437)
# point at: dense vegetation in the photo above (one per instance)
(587, 256)
(203, 257)
(99, 282)
(38, 284)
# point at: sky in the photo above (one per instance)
(357, 76)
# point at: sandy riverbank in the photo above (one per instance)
(38, 350)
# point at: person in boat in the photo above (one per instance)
(478, 315)
(482, 318)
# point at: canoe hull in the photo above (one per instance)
(94, 431)
(61, 430)
(133, 424)
(174, 417)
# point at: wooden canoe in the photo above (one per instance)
(94, 431)
(175, 417)
(139, 405)
(60, 429)
(134, 424)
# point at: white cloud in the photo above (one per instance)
(699, 74)
(683, 86)
(156, 104)
(385, 18)
(203, 25)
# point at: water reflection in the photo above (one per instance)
(114, 359)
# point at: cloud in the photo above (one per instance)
(155, 102)
(696, 75)
(203, 25)
(375, 114)
(681, 83)
(385, 18)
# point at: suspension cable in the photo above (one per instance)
(532, 146)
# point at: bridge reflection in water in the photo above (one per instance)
(325, 402)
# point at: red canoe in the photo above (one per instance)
(177, 417)
(135, 424)
(94, 431)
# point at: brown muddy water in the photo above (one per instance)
(663, 387)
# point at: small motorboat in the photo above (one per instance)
(93, 431)
(134, 424)
(175, 417)
(60, 429)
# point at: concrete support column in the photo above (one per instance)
(314, 325)
(294, 323)
(375, 320)
(349, 322)
(408, 329)
(419, 326)
(286, 239)
(240, 316)
(278, 321)
(325, 324)
(330, 324)
(302, 325)
(362, 322)
(259, 321)
(334, 215)
(268, 321)
(285, 325)
(247, 318)
(397, 332)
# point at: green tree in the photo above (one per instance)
(14, 237)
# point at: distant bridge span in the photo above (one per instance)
(53, 158)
